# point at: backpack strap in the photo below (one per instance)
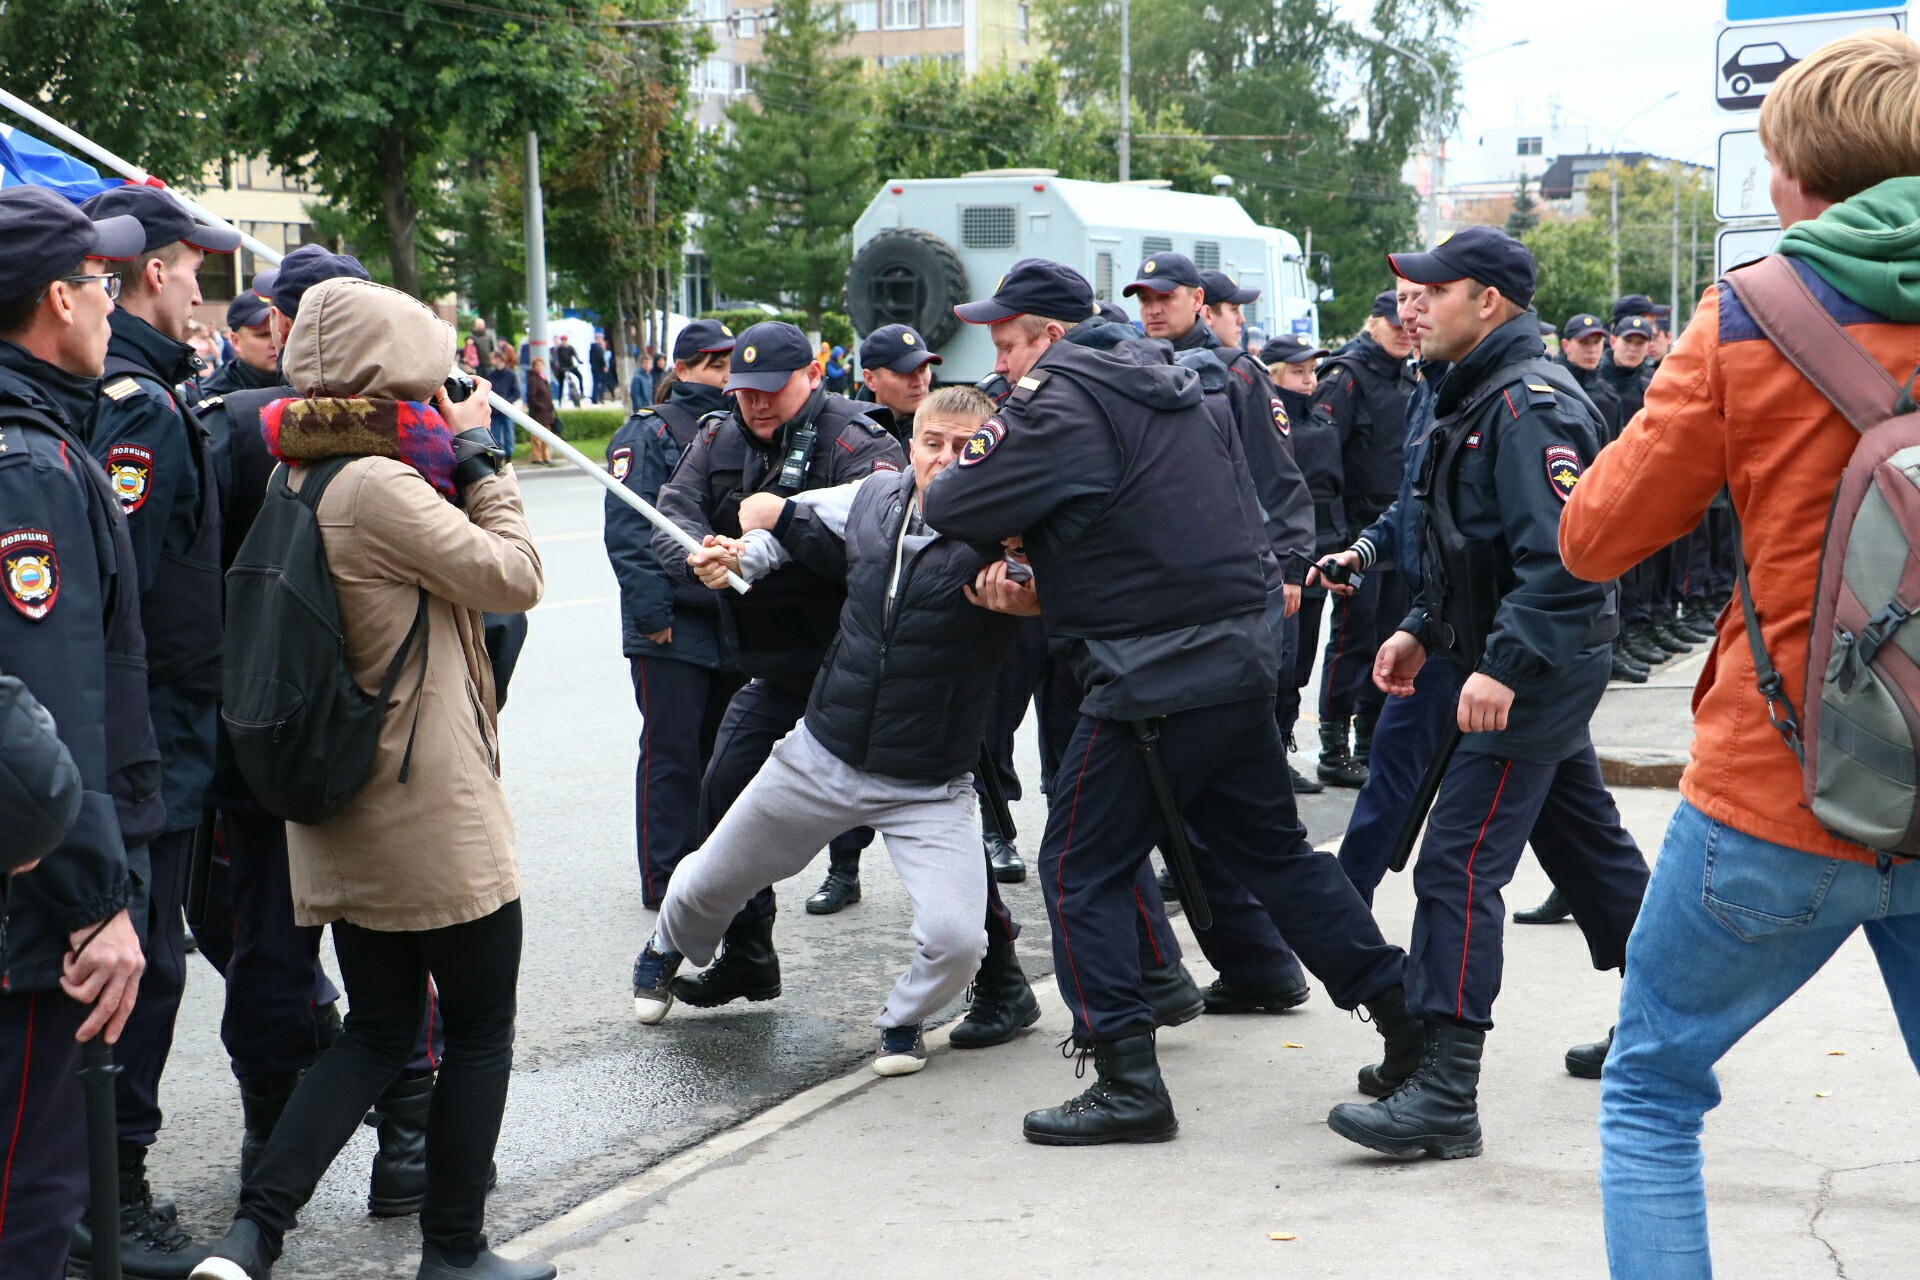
(1814, 342)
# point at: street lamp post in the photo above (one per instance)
(1613, 182)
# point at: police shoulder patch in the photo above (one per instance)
(983, 442)
(29, 571)
(1280, 419)
(621, 462)
(1563, 469)
(130, 471)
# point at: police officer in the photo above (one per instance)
(786, 434)
(256, 357)
(1224, 307)
(1512, 434)
(1649, 636)
(1086, 460)
(1316, 448)
(157, 458)
(70, 631)
(897, 371)
(683, 676)
(1362, 395)
(1583, 341)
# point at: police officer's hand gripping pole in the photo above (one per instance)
(134, 173)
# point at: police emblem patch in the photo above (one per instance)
(749, 355)
(30, 571)
(1563, 469)
(622, 463)
(130, 471)
(1280, 419)
(982, 442)
(908, 339)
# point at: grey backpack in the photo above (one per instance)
(1858, 739)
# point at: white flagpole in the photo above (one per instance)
(134, 173)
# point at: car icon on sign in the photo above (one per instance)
(1750, 66)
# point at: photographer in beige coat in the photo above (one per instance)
(417, 875)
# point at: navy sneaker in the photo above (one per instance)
(903, 1051)
(652, 971)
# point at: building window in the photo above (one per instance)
(945, 13)
(898, 60)
(745, 27)
(1023, 28)
(719, 74)
(1103, 277)
(696, 284)
(988, 226)
(1151, 245)
(740, 81)
(1528, 147)
(901, 15)
(864, 14)
(1206, 255)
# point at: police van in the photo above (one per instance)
(924, 245)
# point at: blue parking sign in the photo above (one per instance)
(1768, 10)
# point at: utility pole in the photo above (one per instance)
(1693, 285)
(534, 216)
(1126, 90)
(1673, 273)
(1613, 183)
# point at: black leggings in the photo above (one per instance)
(475, 968)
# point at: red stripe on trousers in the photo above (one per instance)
(19, 1113)
(1059, 870)
(1466, 940)
(1146, 918)
(433, 999)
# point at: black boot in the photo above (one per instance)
(1698, 621)
(1364, 719)
(1668, 633)
(1434, 1111)
(1222, 996)
(1172, 994)
(400, 1165)
(261, 1102)
(1588, 1060)
(437, 1264)
(1552, 911)
(1008, 866)
(1404, 1035)
(1337, 767)
(244, 1253)
(1642, 647)
(1626, 669)
(1302, 784)
(1003, 1003)
(748, 969)
(1127, 1102)
(152, 1245)
(841, 888)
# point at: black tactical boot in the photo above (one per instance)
(841, 888)
(152, 1245)
(1667, 631)
(1434, 1111)
(1008, 866)
(1003, 1003)
(1698, 620)
(1172, 994)
(748, 969)
(244, 1253)
(400, 1165)
(1642, 647)
(1337, 767)
(1404, 1035)
(1588, 1060)
(1626, 669)
(1127, 1102)
(1222, 996)
(1364, 720)
(1552, 911)
(437, 1264)
(261, 1102)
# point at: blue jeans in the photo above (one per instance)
(1731, 926)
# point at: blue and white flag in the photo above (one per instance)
(27, 161)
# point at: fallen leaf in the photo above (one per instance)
(1823, 1094)
(1836, 1053)
(1280, 1235)
(1288, 1044)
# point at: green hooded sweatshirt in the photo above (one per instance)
(1868, 248)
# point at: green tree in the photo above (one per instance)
(778, 210)
(371, 102)
(1570, 256)
(1525, 215)
(1649, 226)
(151, 80)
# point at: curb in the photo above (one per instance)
(1629, 767)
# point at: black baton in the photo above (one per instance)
(1179, 856)
(997, 815)
(103, 1157)
(1423, 799)
(200, 872)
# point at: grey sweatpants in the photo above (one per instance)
(803, 796)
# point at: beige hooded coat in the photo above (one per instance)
(438, 849)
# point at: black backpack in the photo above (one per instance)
(303, 732)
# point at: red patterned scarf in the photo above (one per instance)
(305, 430)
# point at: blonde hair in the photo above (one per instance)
(1848, 117)
(959, 403)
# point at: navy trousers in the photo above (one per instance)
(681, 707)
(43, 1133)
(1410, 732)
(147, 1041)
(1356, 626)
(758, 716)
(1227, 768)
(1302, 648)
(1487, 810)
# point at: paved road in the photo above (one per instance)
(596, 1097)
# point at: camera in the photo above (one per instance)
(459, 386)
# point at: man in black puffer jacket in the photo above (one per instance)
(891, 732)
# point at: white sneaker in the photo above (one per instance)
(903, 1051)
(653, 972)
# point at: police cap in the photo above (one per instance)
(43, 236)
(263, 283)
(1492, 257)
(1287, 349)
(1634, 304)
(1220, 287)
(1386, 305)
(1034, 287)
(1582, 326)
(1642, 325)
(165, 220)
(765, 356)
(1112, 313)
(1165, 272)
(306, 267)
(246, 310)
(897, 347)
(702, 338)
